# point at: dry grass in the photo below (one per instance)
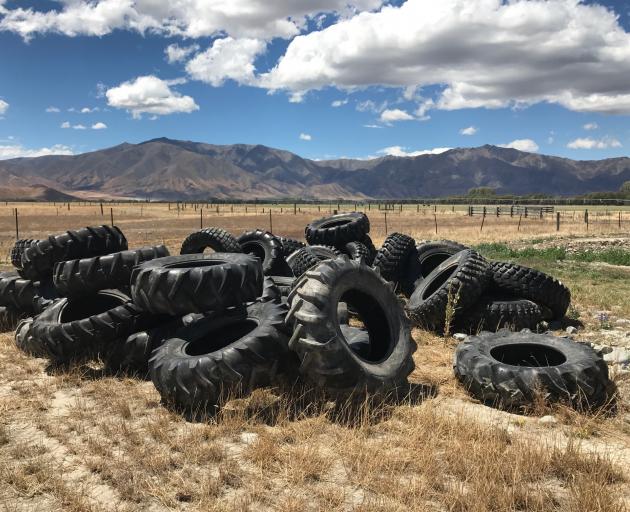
(78, 439)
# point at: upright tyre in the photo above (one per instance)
(39, 259)
(18, 249)
(74, 278)
(81, 328)
(450, 290)
(196, 283)
(532, 284)
(510, 370)
(326, 355)
(290, 245)
(216, 239)
(427, 257)
(219, 355)
(393, 258)
(358, 251)
(338, 230)
(268, 249)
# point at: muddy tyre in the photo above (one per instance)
(72, 329)
(393, 258)
(216, 239)
(494, 312)
(196, 283)
(509, 369)
(39, 259)
(325, 355)
(268, 249)
(532, 284)
(338, 230)
(217, 355)
(461, 279)
(74, 278)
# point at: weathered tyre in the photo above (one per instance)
(450, 290)
(131, 354)
(74, 278)
(326, 357)
(367, 241)
(268, 249)
(72, 329)
(290, 245)
(393, 258)
(9, 318)
(25, 295)
(220, 354)
(196, 283)
(18, 250)
(510, 370)
(284, 284)
(427, 257)
(358, 251)
(216, 239)
(494, 312)
(306, 257)
(338, 230)
(25, 341)
(532, 284)
(39, 259)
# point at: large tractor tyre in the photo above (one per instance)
(338, 230)
(216, 239)
(220, 355)
(18, 249)
(449, 291)
(74, 278)
(393, 258)
(268, 249)
(532, 284)
(196, 283)
(494, 312)
(74, 329)
(38, 260)
(326, 356)
(511, 370)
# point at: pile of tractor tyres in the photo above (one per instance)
(229, 314)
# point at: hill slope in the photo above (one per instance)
(170, 169)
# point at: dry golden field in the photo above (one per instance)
(80, 439)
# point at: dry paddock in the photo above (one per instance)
(80, 439)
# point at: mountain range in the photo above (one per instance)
(166, 169)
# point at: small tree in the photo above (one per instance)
(482, 192)
(625, 187)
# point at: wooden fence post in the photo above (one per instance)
(111, 215)
(385, 222)
(557, 221)
(270, 222)
(201, 218)
(17, 225)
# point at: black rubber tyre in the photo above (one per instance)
(338, 230)
(307, 257)
(462, 278)
(39, 259)
(131, 354)
(25, 341)
(268, 249)
(72, 329)
(222, 354)
(357, 251)
(74, 278)
(25, 295)
(493, 313)
(196, 283)
(284, 284)
(393, 258)
(367, 241)
(326, 358)
(18, 250)
(216, 239)
(9, 318)
(509, 369)
(532, 284)
(290, 245)
(428, 256)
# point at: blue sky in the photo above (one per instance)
(334, 78)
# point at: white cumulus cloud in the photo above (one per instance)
(226, 59)
(305, 136)
(53, 110)
(99, 126)
(19, 151)
(482, 53)
(589, 143)
(395, 114)
(590, 126)
(175, 53)
(470, 130)
(149, 95)
(339, 103)
(527, 145)
(4, 106)
(402, 151)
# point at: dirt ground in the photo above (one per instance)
(81, 439)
